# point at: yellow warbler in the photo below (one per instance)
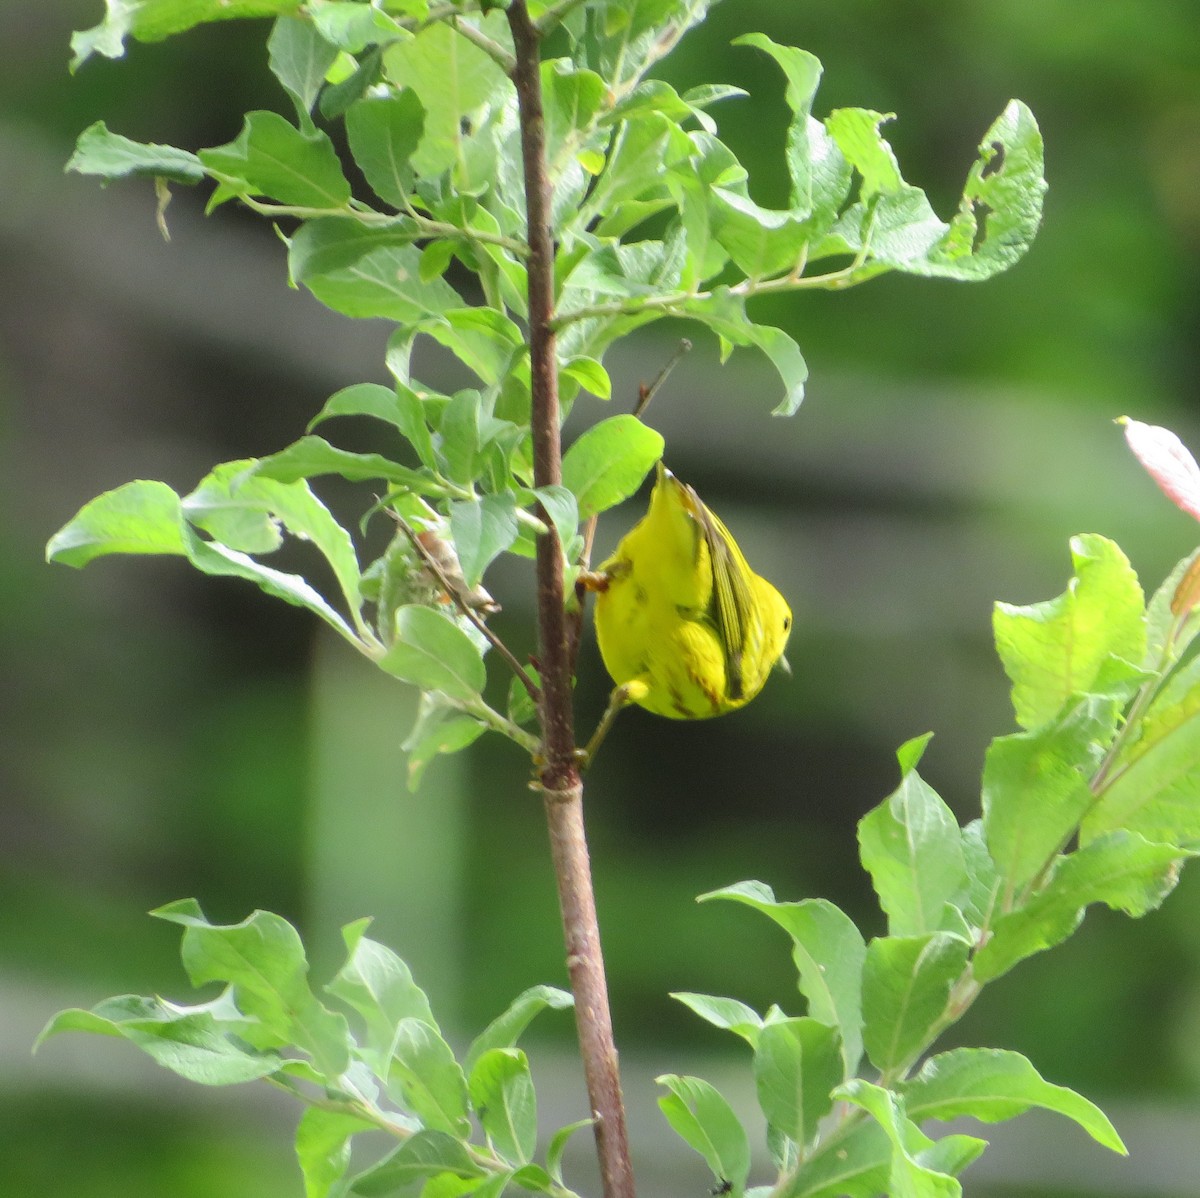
(686, 628)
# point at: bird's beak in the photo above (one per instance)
(784, 665)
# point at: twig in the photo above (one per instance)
(560, 781)
(463, 606)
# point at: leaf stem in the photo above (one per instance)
(467, 610)
(559, 777)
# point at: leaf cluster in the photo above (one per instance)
(368, 1057)
(1093, 800)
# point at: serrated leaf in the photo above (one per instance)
(705, 1120)
(271, 157)
(910, 1177)
(377, 984)
(1120, 869)
(433, 653)
(440, 727)
(262, 959)
(608, 462)
(352, 26)
(906, 984)
(424, 1155)
(503, 1100)
(911, 846)
(797, 1064)
(363, 271)
(993, 1085)
(1001, 206)
(1035, 789)
(426, 1079)
(725, 314)
(856, 1165)
(323, 1148)
(139, 517)
(299, 58)
(153, 20)
(829, 953)
(1054, 650)
(1153, 787)
(111, 156)
(201, 1043)
(505, 1030)
(483, 528)
(558, 1145)
(384, 132)
(453, 79)
(727, 1013)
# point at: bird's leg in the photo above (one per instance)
(628, 692)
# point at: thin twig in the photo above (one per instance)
(494, 50)
(463, 606)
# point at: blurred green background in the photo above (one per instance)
(170, 735)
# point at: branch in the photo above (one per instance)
(560, 781)
(467, 610)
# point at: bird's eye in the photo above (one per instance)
(787, 623)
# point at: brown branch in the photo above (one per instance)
(560, 780)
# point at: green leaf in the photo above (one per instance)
(99, 152)
(272, 157)
(590, 375)
(399, 406)
(231, 495)
(147, 517)
(1035, 789)
(377, 984)
(153, 20)
(502, 1098)
(384, 132)
(725, 314)
(201, 1043)
(424, 1155)
(829, 953)
(426, 1079)
(1054, 650)
(705, 1120)
(761, 242)
(433, 653)
(311, 457)
(912, 848)
(299, 58)
(608, 462)
(353, 26)
(727, 1013)
(1120, 869)
(855, 1165)
(1001, 205)
(139, 517)
(1167, 636)
(1154, 786)
(558, 1145)
(262, 959)
(910, 1176)
(367, 271)
(323, 1148)
(797, 1064)
(856, 133)
(483, 528)
(440, 727)
(993, 1085)
(820, 174)
(453, 79)
(906, 984)
(483, 339)
(506, 1029)
(983, 882)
